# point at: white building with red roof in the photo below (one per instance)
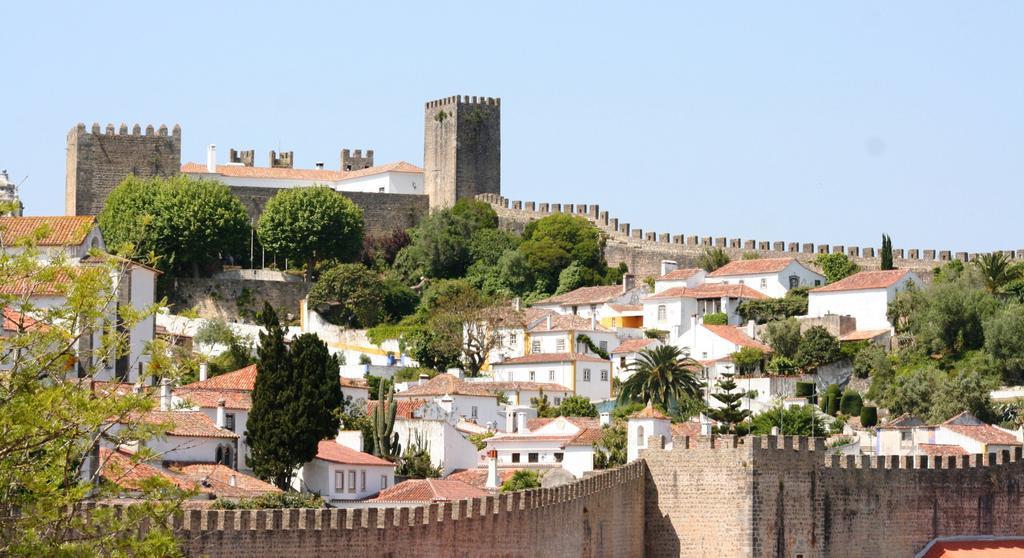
(625, 354)
(562, 442)
(865, 296)
(691, 277)
(342, 472)
(596, 301)
(235, 390)
(770, 276)
(473, 401)
(415, 492)
(677, 309)
(392, 178)
(582, 374)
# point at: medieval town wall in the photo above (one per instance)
(236, 299)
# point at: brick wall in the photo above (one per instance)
(599, 516)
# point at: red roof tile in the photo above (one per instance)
(649, 412)
(241, 379)
(299, 174)
(979, 547)
(759, 266)
(942, 449)
(446, 384)
(526, 386)
(863, 335)
(217, 479)
(566, 322)
(737, 336)
(984, 433)
(429, 490)
(60, 230)
(478, 477)
(633, 346)
(119, 467)
(587, 437)
(330, 450)
(534, 358)
(709, 290)
(680, 274)
(186, 423)
(17, 321)
(865, 280)
(210, 398)
(585, 295)
(404, 407)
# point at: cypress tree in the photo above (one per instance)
(269, 429)
(316, 411)
(886, 252)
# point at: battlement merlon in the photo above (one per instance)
(122, 130)
(463, 100)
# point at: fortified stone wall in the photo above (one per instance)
(599, 516)
(232, 299)
(382, 213)
(98, 161)
(643, 250)
(770, 496)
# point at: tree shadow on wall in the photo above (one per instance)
(660, 536)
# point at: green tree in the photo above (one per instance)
(716, 318)
(1004, 340)
(478, 213)
(817, 348)
(783, 336)
(311, 224)
(794, 421)
(948, 317)
(187, 223)
(577, 406)
(53, 416)
(571, 278)
(965, 391)
(997, 270)
(238, 353)
(871, 360)
(747, 359)
(610, 451)
(712, 258)
(350, 295)
(552, 243)
(836, 266)
(912, 392)
(415, 462)
(296, 402)
(851, 403)
(544, 409)
(781, 365)
(730, 415)
(886, 253)
(523, 479)
(794, 303)
(663, 376)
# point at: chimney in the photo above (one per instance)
(705, 425)
(319, 165)
(222, 417)
(446, 403)
(628, 282)
(165, 394)
(517, 303)
(606, 418)
(510, 419)
(521, 423)
(751, 328)
(211, 158)
(693, 321)
(352, 439)
(593, 321)
(232, 481)
(204, 371)
(668, 266)
(549, 322)
(423, 379)
(492, 470)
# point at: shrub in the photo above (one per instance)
(273, 500)
(364, 359)
(781, 365)
(851, 403)
(868, 416)
(831, 399)
(716, 318)
(522, 479)
(804, 389)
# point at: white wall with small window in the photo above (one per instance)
(775, 284)
(639, 431)
(588, 376)
(339, 482)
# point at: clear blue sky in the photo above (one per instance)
(812, 122)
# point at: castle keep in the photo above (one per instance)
(461, 148)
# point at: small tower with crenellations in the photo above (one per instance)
(461, 148)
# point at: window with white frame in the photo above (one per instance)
(764, 283)
(473, 412)
(535, 346)
(362, 481)
(662, 313)
(551, 375)
(586, 374)
(512, 338)
(339, 481)
(533, 376)
(560, 345)
(604, 375)
(383, 482)
(352, 481)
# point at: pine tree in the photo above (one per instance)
(886, 252)
(730, 414)
(317, 411)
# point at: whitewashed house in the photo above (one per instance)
(641, 426)
(712, 342)
(473, 401)
(341, 472)
(562, 442)
(865, 296)
(557, 333)
(674, 310)
(690, 277)
(625, 354)
(234, 389)
(595, 301)
(449, 447)
(770, 276)
(586, 375)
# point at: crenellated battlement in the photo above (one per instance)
(463, 100)
(122, 130)
(636, 245)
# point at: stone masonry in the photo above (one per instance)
(98, 161)
(461, 148)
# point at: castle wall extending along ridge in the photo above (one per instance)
(643, 251)
(775, 496)
(598, 516)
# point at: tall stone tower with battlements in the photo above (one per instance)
(461, 148)
(98, 161)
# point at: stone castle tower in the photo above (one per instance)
(98, 161)
(461, 148)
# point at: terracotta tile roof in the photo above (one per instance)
(217, 479)
(649, 412)
(709, 290)
(863, 335)
(621, 308)
(942, 449)
(534, 358)
(681, 274)
(59, 284)
(478, 477)
(404, 407)
(633, 346)
(17, 321)
(186, 423)
(984, 433)
(526, 386)
(585, 295)
(688, 428)
(357, 383)
(586, 437)
(330, 450)
(580, 422)
(737, 336)
(566, 322)
(982, 546)
(865, 280)
(759, 266)
(241, 379)
(446, 384)
(429, 490)
(239, 171)
(118, 467)
(61, 230)
(209, 398)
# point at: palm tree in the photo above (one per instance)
(996, 270)
(662, 376)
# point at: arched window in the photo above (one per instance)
(226, 456)
(641, 441)
(794, 281)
